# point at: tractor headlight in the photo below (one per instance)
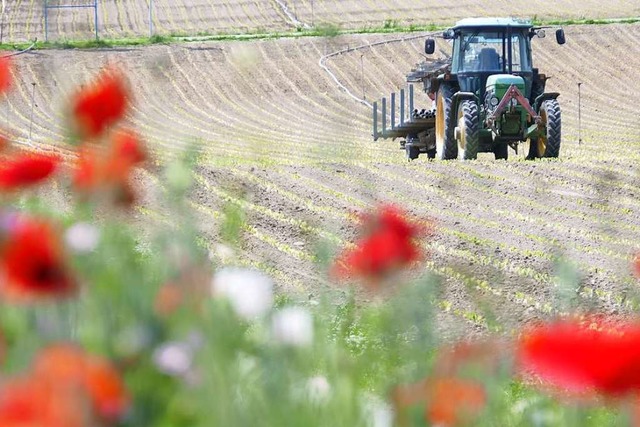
(494, 101)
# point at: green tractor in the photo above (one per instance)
(488, 96)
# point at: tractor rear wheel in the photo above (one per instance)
(548, 144)
(537, 89)
(446, 146)
(467, 134)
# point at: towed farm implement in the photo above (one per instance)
(486, 96)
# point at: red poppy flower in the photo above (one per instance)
(88, 172)
(5, 74)
(126, 152)
(69, 368)
(454, 401)
(388, 244)
(28, 402)
(579, 358)
(108, 172)
(106, 388)
(32, 260)
(101, 104)
(27, 170)
(448, 401)
(127, 147)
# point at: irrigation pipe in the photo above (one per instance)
(324, 58)
(20, 52)
(291, 16)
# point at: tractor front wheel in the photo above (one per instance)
(467, 133)
(501, 151)
(548, 143)
(412, 152)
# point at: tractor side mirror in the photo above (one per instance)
(560, 36)
(429, 46)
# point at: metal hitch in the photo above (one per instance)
(512, 93)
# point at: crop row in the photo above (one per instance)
(268, 98)
(24, 18)
(448, 252)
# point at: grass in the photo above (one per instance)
(320, 30)
(586, 21)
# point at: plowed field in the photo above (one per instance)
(24, 19)
(294, 151)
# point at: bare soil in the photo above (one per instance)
(24, 19)
(279, 139)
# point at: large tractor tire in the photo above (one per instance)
(537, 89)
(446, 146)
(467, 134)
(548, 145)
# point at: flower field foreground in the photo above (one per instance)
(106, 323)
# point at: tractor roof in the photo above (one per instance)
(493, 22)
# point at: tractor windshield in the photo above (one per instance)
(488, 51)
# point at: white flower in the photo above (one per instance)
(382, 416)
(82, 237)
(378, 412)
(292, 326)
(318, 389)
(173, 358)
(250, 292)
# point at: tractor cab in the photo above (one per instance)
(486, 46)
(479, 52)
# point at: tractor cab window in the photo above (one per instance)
(487, 51)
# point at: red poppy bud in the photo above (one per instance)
(27, 170)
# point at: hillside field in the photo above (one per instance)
(24, 19)
(294, 151)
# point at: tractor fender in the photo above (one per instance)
(440, 79)
(544, 97)
(455, 102)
